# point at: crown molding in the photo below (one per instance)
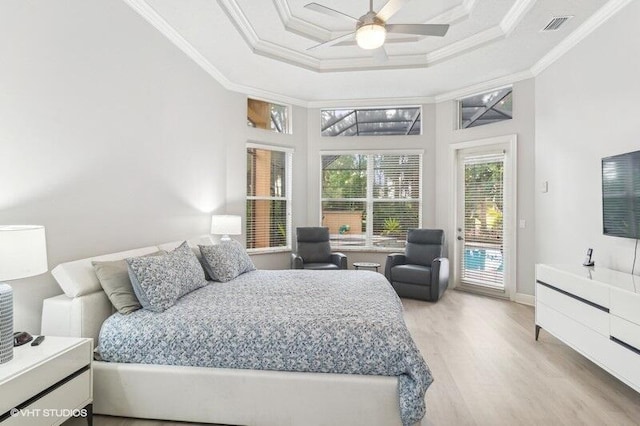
(600, 17)
(300, 26)
(294, 57)
(372, 102)
(151, 16)
(594, 21)
(318, 33)
(475, 89)
(461, 46)
(513, 17)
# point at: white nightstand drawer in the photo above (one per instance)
(53, 408)
(35, 369)
(594, 318)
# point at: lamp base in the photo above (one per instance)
(225, 238)
(6, 323)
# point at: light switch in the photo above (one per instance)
(544, 187)
(523, 224)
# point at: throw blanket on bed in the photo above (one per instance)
(347, 322)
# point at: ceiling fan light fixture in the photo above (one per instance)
(371, 36)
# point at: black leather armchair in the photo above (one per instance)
(421, 272)
(314, 250)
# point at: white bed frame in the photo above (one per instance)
(209, 395)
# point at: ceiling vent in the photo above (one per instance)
(556, 22)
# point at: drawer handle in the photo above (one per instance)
(625, 345)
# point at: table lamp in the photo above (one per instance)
(23, 253)
(226, 225)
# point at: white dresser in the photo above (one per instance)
(47, 384)
(594, 310)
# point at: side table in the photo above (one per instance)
(47, 384)
(366, 265)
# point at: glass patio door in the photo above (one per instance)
(480, 224)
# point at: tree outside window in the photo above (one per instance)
(369, 200)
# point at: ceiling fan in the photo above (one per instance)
(372, 28)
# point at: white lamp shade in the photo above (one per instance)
(226, 225)
(23, 251)
(371, 36)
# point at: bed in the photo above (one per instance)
(330, 329)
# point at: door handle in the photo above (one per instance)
(460, 238)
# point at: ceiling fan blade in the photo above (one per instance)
(328, 11)
(380, 54)
(437, 30)
(390, 9)
(333, 41)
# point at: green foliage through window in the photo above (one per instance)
(370, 200)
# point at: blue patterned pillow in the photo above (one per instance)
(159, 281)
(226, 260)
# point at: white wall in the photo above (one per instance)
(586, 109)
(109, 135)
(318, 143)
(523, 125)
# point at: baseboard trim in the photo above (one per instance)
(525, 299)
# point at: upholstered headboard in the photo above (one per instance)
(83, 307)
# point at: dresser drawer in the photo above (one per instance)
(592, 317)
(35, 378)
(583, 339)
(64, 402)
(625, 304)
(626, 331)
(625, 364)
(576, 282)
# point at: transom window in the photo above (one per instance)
(268, 198)
(369, 200)
(486, 108)
(268, 116)
(372, 121)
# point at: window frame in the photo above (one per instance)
(382, 107)
(459, 125)
(288, 185)
(369, 200)
(289, 125)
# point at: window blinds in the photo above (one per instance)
(483, 248)
(268, 213)
(370, 199)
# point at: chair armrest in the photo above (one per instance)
(296, 262)
(339, 259)
(393, 259)
(439, 277)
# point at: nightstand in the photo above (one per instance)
(47, 384)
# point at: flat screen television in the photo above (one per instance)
(621, 195)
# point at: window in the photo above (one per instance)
(268, 198)
(486, 108)
(268, 116)
(369, 200)
(371, 121)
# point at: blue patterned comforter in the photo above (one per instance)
(347, 322)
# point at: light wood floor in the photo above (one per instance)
(489, 370)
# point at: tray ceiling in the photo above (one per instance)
(262, 46)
